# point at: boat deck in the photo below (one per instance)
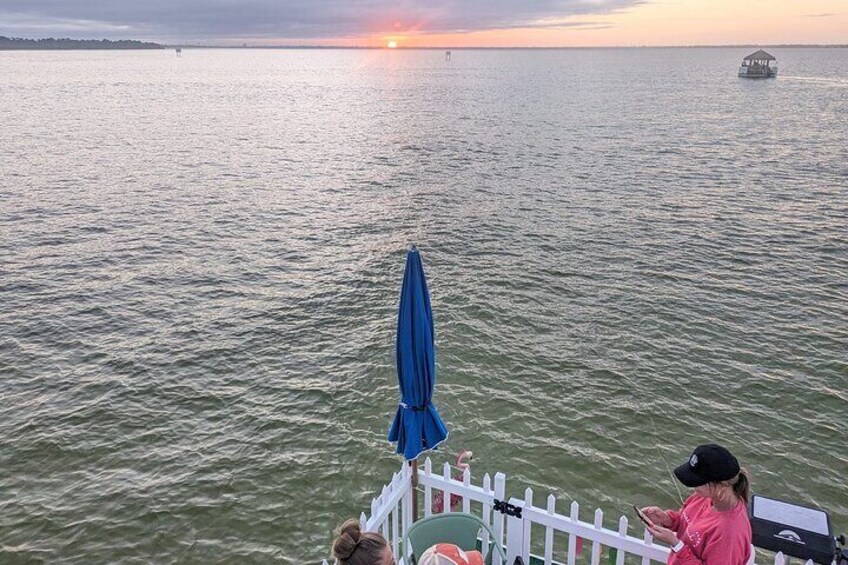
(529, 533)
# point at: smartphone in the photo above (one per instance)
(642, 516)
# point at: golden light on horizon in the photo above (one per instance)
(644, 23)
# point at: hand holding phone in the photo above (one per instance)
(642, 516)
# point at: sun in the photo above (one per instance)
(392, 44)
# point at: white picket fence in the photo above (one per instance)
(391, 514)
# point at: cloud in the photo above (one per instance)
(818, 15)
(288, 19)
(15, 22)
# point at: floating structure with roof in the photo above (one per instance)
(758, 65)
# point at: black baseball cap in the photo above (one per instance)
(709, 463)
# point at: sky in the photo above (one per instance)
(434, 23)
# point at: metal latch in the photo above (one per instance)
(505, 507)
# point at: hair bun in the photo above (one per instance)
(347, 541)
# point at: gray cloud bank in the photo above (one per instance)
(287, 19)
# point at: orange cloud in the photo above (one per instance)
(656, 22)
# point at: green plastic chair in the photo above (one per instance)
(458, 528)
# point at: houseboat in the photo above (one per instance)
(758, 65)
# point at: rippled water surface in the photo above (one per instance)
(630, 252)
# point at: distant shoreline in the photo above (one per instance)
(65, 44)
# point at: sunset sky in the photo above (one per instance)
(435, 23)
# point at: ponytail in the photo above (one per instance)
(742, 486)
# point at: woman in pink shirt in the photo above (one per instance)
(712, 527)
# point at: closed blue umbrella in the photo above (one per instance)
(417, 426)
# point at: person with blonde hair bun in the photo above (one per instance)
(712, 527)
(355, 547)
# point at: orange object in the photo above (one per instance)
(449, 554)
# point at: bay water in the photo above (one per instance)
(630, 252)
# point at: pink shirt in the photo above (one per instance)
(711, 537)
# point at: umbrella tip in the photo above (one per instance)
(413, 247)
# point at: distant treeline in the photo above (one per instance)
(64, 43)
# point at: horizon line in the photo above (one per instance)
(247, 45)
(504, 48)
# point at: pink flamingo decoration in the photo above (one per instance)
(439, 497)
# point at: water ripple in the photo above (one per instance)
(201, 259)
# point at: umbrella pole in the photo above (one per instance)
(414, 479)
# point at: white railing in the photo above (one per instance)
(391, 511)
(391, 515)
